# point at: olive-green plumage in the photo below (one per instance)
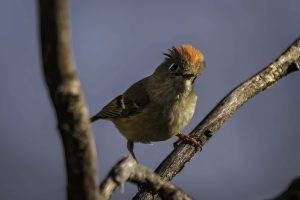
(161, 105)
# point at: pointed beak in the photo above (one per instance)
(186, 75)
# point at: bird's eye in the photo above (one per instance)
(173, 67)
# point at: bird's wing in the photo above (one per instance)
(133, 101)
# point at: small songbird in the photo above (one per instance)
(161, 105)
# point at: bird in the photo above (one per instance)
(159, 106)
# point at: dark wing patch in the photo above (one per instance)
(132, 102)
(112, 110)
(120, 107)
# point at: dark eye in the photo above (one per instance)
(173, 67)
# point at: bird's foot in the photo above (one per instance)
(195, 140)
(130, 147)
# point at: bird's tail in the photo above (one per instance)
(94, 118)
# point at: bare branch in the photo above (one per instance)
(129, 169)
(282, 66)
(65, 91)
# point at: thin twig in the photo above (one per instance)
(175, 161)
(129, 170)
(67, 98)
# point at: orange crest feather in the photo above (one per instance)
(190, 53)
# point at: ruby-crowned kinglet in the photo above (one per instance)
(161, 105)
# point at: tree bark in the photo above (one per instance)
(128, 169)
(67, 98)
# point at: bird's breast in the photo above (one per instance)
(180, 112)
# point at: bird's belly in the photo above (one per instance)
(144, 128)
(149, 126)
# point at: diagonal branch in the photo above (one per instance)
(128, 169)
(67, 98)
(175, 161)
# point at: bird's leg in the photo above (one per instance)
(191, 139)
(130, 146)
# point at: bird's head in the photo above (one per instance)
(182, 63)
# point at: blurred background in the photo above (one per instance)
(255, 155)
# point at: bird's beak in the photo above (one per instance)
(187, 76)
